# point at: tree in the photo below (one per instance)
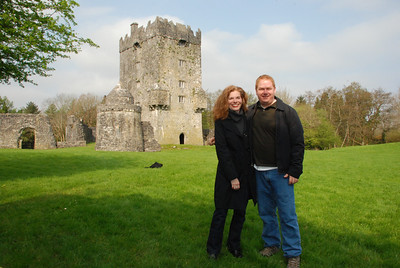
(6, 106)
(85, 108)
(63, 105)
(207, 116)
(319, 133)
(31, 108)
(57, 110)
(358, 102)
(358, 115)
(252, 98)
(392, 126)
(33, 34)
(285, 96)
(301, 100)
(379, 117)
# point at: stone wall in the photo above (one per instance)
(68, 144)
(12, 125)
(150, 144)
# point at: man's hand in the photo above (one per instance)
(211, 141)
(292, 180)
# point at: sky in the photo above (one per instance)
(306, 45)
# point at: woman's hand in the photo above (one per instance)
(235, 184)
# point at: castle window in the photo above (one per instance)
(181, 63)
(181, 99)
(181, 84)
(182, 43)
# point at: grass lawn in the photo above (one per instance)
(77, 207)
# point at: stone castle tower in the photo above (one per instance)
(119, 125)
(161, 67)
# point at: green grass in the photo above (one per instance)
(77, 207)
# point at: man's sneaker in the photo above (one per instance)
(293, 262)
(269, 251)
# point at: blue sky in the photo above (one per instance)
(306, 45)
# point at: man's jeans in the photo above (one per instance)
(274, 191)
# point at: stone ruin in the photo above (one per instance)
(77, 134)
(119, 126)
(12, 127)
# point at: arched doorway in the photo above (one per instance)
(27, 139)
(182, 138)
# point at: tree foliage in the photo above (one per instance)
(319, 133)
(33, 34)
(358, 115)
(27, 138)
(57, 110)
(31, 108)
(207, 116)
(393, 131)
(284, 95)
(6, 106)
(63, 105)
(85, 108)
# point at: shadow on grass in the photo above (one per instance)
(139, 231)
(62, 230)
(24, 165)
(324, 247)
(128, 231)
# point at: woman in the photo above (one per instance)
(234, 183)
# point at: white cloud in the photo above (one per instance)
(353, 54)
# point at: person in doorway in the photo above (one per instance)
(234, 183)
(277, 145)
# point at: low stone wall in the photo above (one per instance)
(12, 126)
(67, 144)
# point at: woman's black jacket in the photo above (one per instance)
(234, 161)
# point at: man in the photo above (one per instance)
(278, 150)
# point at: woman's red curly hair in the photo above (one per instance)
(221, 106)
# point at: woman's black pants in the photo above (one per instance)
(214, 242)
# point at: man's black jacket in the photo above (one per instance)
(289, 138)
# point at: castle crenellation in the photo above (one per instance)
(159, 27)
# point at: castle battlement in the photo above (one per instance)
(160, 27)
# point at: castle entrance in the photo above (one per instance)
(182, 138)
